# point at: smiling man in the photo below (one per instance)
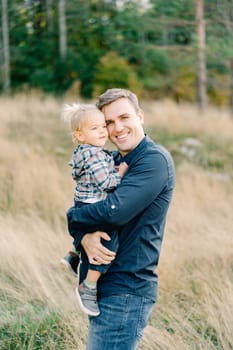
(138, 210)
(124, 124)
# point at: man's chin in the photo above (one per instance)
(119, 145)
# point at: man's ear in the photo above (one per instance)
(141, 115)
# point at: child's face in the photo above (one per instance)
(93, 131)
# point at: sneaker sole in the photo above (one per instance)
(83, 308)
(67, 268)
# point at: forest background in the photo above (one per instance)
(150, 46)
(64, 51)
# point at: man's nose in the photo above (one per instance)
(118, 126)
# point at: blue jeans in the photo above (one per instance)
(120, 324)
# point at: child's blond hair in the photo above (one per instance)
(76, 113)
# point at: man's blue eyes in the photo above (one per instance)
(108, 122)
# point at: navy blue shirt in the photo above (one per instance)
(138, 208)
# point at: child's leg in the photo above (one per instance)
(92, 278)
(75, 251)
(87, 291)
(113, 245)
(71, 261)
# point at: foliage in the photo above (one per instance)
(112, 71)
(150, 39)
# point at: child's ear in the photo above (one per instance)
(78, 135)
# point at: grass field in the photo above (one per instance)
(37, 301)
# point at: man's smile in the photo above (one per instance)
(122, 137)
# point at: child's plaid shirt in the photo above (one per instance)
(94, 173)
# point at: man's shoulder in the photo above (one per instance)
(156, 148)
(153, 155)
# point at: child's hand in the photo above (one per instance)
(122, 168)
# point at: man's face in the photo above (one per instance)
(124, 124)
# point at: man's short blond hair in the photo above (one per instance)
(115, 94)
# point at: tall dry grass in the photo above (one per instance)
(195, 304)
(188, 118)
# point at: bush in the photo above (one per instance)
(114, 71)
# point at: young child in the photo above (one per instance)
(95, 176)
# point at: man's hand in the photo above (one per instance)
(96, 252)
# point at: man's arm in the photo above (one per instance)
(140, 186)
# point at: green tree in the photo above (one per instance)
(114, 71)
(157, 42)
(6, 51)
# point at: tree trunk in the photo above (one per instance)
(6, 50)
(201, 64)
(231, 85)
(62, 30)
(49, 15)
(231, 59)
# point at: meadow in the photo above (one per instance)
(38, 309)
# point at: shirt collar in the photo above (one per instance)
(128, 158)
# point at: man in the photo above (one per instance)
(138, 208)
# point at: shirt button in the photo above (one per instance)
(113, 206)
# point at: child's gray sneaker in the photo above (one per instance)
(87, 299)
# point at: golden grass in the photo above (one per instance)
(188, 118)
(30, 252)
(195, 303)
(196, 267)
